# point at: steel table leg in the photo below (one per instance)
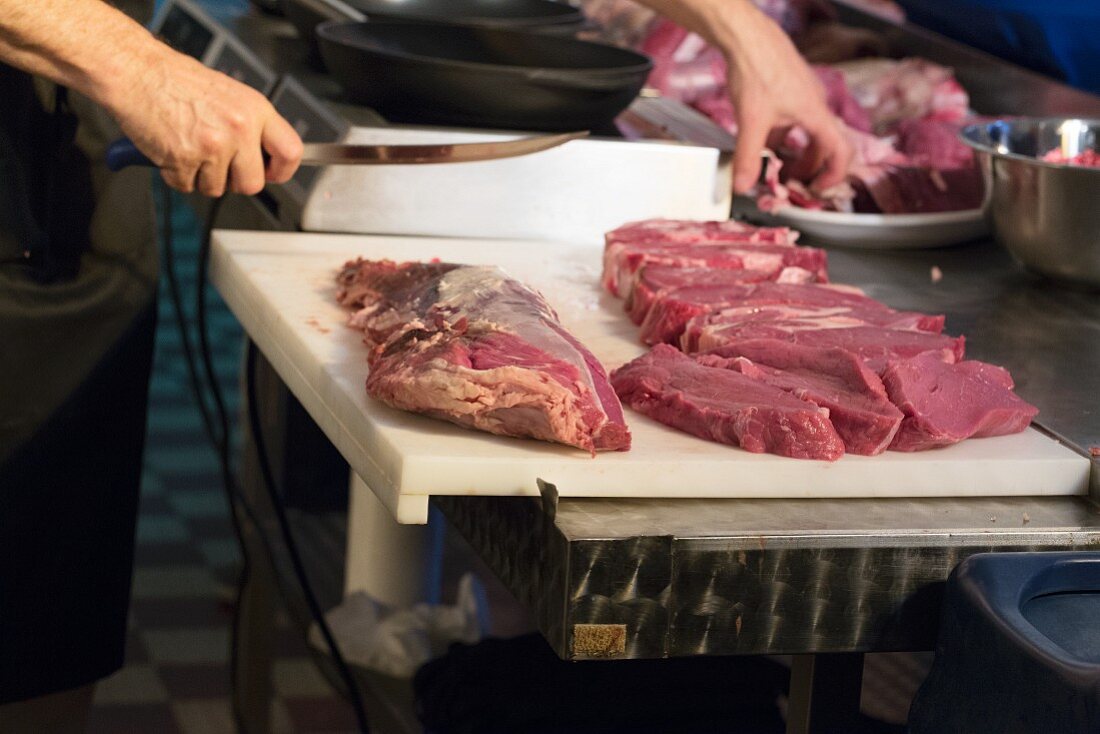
(825, 692)
(255, 642)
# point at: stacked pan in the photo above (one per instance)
(509, 64)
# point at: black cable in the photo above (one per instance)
(224, 453)
(181, 319)
(219, 439)
(292, 547)
(204, 344)
(222, 446)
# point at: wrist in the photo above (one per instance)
(727, 22)
(112, 77)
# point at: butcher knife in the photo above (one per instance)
(123, 153)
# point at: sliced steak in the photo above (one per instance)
(946, 403)
(662, 234)
(670, 312)
(653, 282)
(875, 345)
(725, 406)
(475, 347)
(622, 261)
(859, 408)
(689, 232)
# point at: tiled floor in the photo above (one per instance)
(176, 679)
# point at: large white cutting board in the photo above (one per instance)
(280, 286)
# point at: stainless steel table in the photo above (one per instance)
(825, 580)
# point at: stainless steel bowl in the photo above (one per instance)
(1046, 214)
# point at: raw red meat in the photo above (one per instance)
(627, 241)
(934, 143)
(931, 171)
(475, 347)
(946, 403)
(923, 168)
(772, 194)
(655, 281)
(892, 190)
(895, 90)
(773, 260)
(859, 409)
(1086, 158)
(725, 406)
(900, 116)
(841, 101)
(875, 345)
(690, 232)
(671, 311)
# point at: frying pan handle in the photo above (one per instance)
(549, 78)
(123, 153)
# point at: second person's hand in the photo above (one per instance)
(774, 89)
(771, 87)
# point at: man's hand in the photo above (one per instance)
(204, 130)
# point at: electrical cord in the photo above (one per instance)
(219, 440)
(217, 426)
(292, 547)
(223, 447)
(181, 318)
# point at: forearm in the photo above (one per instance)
(83, 44)
(201, 128)
(715, 20)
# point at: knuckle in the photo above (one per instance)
(237, 121)
(212, 185)
(179, 183)
(249, 186)
(211, 143)
(295, 149)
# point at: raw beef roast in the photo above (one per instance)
(946, 403)
(725, 406)
(475, 347)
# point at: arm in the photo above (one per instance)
(199, 126)
(771, 86)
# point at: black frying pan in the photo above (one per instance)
(514, 14)
(481, 77)
(545, 16)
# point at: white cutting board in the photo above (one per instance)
(281, 287)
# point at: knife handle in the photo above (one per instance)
(123, 153)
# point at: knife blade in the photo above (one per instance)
(123, 153)
(335, 154)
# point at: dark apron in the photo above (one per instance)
(77, 318)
